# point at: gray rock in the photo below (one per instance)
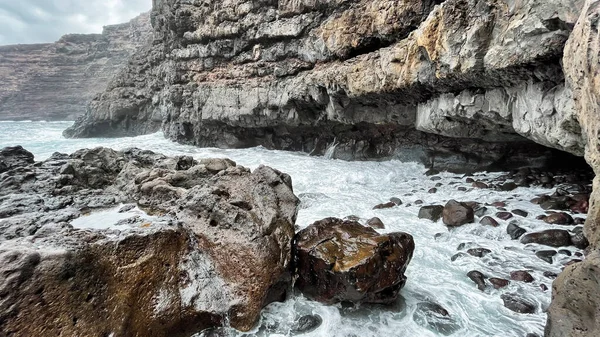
(515, 231)
(433, 213)
(517, 304)
(13, 157)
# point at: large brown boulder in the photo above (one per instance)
(212, 248)
(338, 260)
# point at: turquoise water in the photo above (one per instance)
(338, 188)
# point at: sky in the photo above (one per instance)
(37, 21)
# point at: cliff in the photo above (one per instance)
(56, 81)
(448, 82)
(575, 309)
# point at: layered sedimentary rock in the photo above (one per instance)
(208, 245)
(441, 81)
(575, 309)
(56, 81)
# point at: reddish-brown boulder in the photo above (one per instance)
(338, 260)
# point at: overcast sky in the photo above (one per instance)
(34, 21)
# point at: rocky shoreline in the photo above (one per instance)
(198, 243)
(458, 85)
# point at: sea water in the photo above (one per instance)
(334, 188)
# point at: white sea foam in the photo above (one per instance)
(353, 188)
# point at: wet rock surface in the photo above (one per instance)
(343, 261)
(550, 237)
(184, 261)
(515, 303)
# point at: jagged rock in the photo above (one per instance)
(13, 157)
(457, 214)
(186, 266)
(338, 260)
(433, 213)
(302, 75)
(550, 237)
(56, 81)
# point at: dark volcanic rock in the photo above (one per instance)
(489, 221)
(13, 157)
(578, 238)
(546, 255)
(457, 214)
(306, 324)
(478, 278)
(386, 205)
(517, 304)
(340, 260)
(376, 223)
(184, 269)
(522, 276)
(499, 283)
(504, 215)
(520, 212)
(559, 219)
(507, 187)
(478, 252)
(433, 213)
(515, 231)
(551, 237)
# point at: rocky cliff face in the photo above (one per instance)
(56, 81)
(575, 309)
(475, 81)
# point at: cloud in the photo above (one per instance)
(37, 21)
